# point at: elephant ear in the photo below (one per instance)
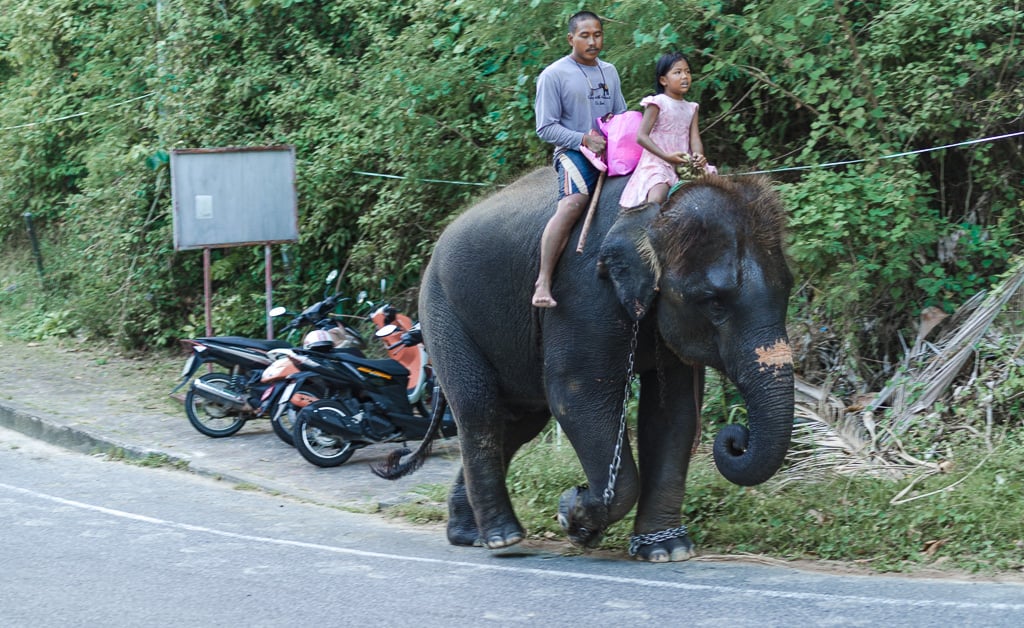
(629, 261)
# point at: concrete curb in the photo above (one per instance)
(83, 441)
(254, 457)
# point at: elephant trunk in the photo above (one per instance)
(749, 457)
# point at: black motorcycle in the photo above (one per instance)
(219, 403)
(368, 403)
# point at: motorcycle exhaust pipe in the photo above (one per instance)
(331, 417)
(234, 400)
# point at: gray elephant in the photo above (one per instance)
(699, 281)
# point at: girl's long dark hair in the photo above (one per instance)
(665, 63)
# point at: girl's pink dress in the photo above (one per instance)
(671, 132)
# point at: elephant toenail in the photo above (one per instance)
(680, 554)
(658, 556)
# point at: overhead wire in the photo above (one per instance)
(74, 115)
(831, 164)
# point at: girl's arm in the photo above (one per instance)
(643, 136)
(697, 146)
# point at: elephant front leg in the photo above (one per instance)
(585, 512)
(666, 428)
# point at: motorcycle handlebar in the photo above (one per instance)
(317, 314)
(290, 326)
(408, 339)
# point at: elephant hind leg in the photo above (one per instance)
(463, 527)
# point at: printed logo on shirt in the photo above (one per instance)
(600, 94)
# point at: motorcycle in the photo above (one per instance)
(218, 403)
(368, 401)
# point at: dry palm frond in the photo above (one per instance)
(937, 373)
(828, 440)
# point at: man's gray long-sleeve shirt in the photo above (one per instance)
(571, 96)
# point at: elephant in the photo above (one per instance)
(660, 291)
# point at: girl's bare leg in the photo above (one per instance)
(658, 194)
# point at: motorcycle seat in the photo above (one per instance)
(349, 351)
(388, 366)
(248, 343)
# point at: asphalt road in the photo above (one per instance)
(90, 542)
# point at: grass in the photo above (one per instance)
(968, 520)
(429, 508)
(153, 461)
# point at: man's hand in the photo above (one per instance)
(595, 142)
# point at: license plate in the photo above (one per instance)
(188, 365)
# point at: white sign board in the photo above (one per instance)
(233, 196)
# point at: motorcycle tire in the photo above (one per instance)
(283, 420)
(320, 448)
(209, 417)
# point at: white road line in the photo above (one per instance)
(643, 582)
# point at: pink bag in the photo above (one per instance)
(622, 153)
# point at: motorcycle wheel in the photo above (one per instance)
(425, 405)
(283, 420)
(320, 448)
(209, 417)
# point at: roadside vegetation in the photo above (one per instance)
(906, 324)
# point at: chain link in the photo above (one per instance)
(613, 468)
(636, 541)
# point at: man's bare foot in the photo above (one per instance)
(543, 298)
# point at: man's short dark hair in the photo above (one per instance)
(582, 16)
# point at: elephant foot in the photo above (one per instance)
(460, 534)
(503, 531)
(577, 520)
(504, 536)
(672, 545)
(495, 539)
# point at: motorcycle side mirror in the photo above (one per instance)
(331, 276)
(385, 331)
(361, 296)
(383, 285)
(277, 311)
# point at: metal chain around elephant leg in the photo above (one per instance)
(613, 469)
(636, 541)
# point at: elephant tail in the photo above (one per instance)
(394, 467)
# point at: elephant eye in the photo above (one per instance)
(712, 301)
(715, 307)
